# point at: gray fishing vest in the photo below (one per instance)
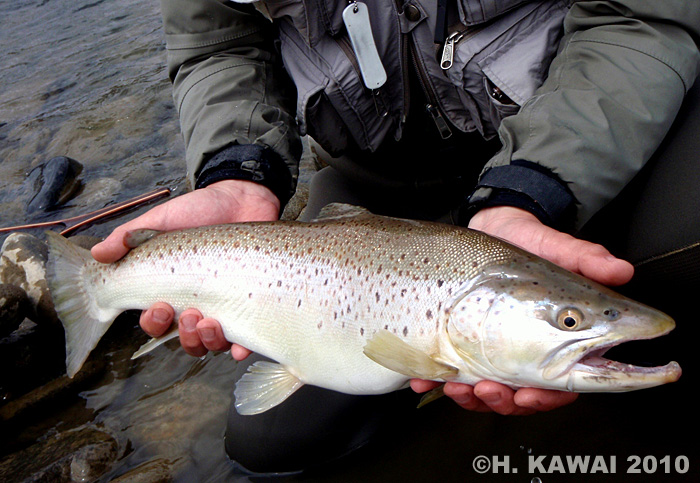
(502, 50)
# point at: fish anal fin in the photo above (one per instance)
(264, 386)
(390, 351)
(134, 238)
(341, 210)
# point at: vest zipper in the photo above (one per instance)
(448, 48)
(432, 106)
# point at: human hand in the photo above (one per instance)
(588, 259)
(226, 201)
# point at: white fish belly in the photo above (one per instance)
(316, 326)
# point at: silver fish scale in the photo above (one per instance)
(278, 287)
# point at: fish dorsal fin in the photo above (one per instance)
(390, 351)
(264, 386)
(341, 210)
(134, 238)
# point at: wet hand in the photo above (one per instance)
(226, 201)
(588, 259)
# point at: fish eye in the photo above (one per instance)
(569, 319)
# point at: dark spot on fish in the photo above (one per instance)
(279, 283)
(440, 282)
(429, 314)
(362, 331)
(405, 331)
(172, 269)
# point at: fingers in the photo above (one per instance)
(198, 334)
(524, 229)
(239, 352)
(589, 259)
(488, 396)
(543, 399)
(156, 320)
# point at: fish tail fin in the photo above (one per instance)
(84, 322)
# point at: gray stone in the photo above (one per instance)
(14, 305)
(82, 455)
(159, 470)
(23, 264)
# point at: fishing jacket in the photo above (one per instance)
(580, 93)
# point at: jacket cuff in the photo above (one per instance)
(248, 162)
(530, 186)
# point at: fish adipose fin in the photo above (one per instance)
(393, 353)
(264, 386)
(83, 320)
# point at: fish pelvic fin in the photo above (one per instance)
(432, 395)
(390, 351)
(264, 386)
(172, 333)
(84, 322)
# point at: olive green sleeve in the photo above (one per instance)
(612, 93)
(228, 84)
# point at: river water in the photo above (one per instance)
(87, 79)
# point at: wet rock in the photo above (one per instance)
(32, 356)
(309, 165)
(46, 395)
(23, 264)
(159, 470)
(99, 192)
(52, 183)
(14, 305)
(82, 455)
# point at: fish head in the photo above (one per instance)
(531, 323)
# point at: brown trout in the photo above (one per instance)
(360, 303)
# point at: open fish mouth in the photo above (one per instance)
(593, 369)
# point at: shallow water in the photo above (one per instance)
(87, 79)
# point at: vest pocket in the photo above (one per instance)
(313, 19)
(501, 64)
(472, 12)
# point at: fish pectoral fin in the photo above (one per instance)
(341, 210)
(134, 238)
(393, 353)
(432, 395)
(172, 333)
(264, 386)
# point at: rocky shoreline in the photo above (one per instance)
(44, 408)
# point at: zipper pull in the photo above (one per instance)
(448, 50)
(379, 104)
(440, 123)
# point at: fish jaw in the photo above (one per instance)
(505, 329)
(591, 372)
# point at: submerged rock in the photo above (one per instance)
(14, 305)
(159, 470)
(52, 183)
(71, 456)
